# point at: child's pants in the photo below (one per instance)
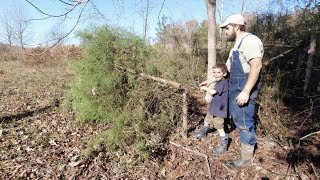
(216, 122)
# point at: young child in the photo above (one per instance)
(218, 108)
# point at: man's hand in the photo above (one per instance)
(243, 98)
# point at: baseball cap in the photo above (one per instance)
(233, 19)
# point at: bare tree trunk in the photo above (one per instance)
(301, 58)
(221, 14)
(311, 52)
(211, 11)
(212, 56)
(6, 21)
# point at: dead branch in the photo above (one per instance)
(158, 79)
(309, 109)
(276, 57)
(164, 81)
(161, 10)
(279, 45)
(317, 132)
(196, 153)
(185, 114)
(314, 170)
(51, 15)
(66, 3)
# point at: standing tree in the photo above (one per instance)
(7, 24)
(16, 27)
(212, 53)
(312, 53)
(212, 57)
(221, 19)
(57, 32)
(21, 27)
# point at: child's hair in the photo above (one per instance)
(222, 67)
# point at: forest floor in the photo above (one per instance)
(38, 140)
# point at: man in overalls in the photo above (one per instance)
(244, 64)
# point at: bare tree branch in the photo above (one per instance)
(66, 3)
(161, 10)
(68, 33)
(60, 15)
(278, 56)
(317, 132)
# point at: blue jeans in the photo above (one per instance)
(243, 115)
(243, 119)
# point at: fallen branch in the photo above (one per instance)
(309, 135)
(158, 79)
(196, 153)
(276, 57)
(164, 81)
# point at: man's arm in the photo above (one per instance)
(256, 65)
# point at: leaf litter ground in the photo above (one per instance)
(39, 141)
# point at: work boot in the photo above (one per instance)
(224, 140)
(245, 159)
(203, 131)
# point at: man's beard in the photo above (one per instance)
(232, 37)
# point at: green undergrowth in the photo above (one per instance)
(140, 112)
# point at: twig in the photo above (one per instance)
(304, 111)
(196, 153)
(288, 169)
(305, 120)
(314, 170)
(51, 15)
(161, 10)
(309, 135)
(65, 14)
(296, 169)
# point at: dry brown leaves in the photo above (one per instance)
(39, 141)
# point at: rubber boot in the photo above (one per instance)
(203, 131)
(224, 140)
(245, 160)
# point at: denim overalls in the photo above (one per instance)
(242, 115)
